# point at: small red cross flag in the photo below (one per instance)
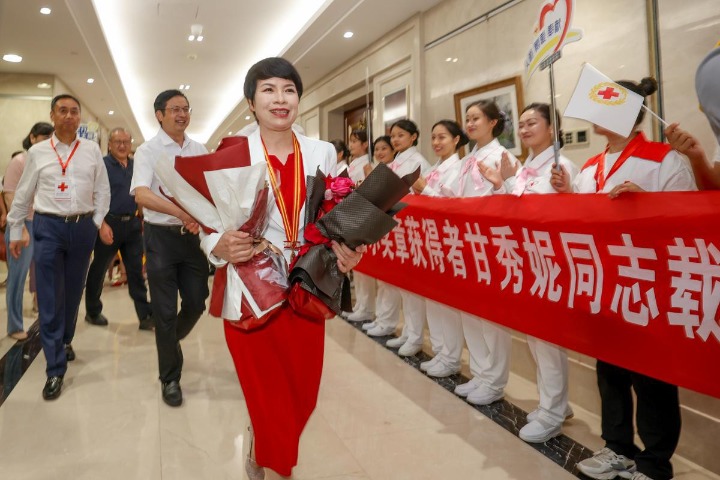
(603, 102)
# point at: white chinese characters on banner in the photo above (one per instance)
(631, 295)
(478, 241)
(694, 302)
(508, 256)
(695, 269)
(541, 253)
(433, 245)
(455, 257)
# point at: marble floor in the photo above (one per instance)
(377, 418)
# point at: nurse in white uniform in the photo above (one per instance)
(632, 164)
(365, 286)
(536, 133)
(441, 181)
(488, 343)
(404, 137)
(387, 298)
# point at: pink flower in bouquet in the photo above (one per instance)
(341, 188)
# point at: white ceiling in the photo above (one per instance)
(152, 52)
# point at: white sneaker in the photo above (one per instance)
(464, 389)
(379, 331)
(484, 395)
(396, 342)
(532, 416)
(440, 370)
(360, 316)
(369, 326)
(640, 476)
(539, 431)
(429, 364)
(606, 464)
(409, 349)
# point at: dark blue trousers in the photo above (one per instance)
(62, 255)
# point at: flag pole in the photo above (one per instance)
(655, 115)
(368, 115)
(548, 63)
(554, 117)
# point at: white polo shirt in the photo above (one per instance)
(146, 157)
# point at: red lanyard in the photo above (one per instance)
(627, 152)
(64, 166)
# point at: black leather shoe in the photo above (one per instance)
(147, 324)
(69, 353)
(100, 320)
(172, 394)
(53, 387)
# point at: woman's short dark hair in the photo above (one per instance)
(273, 67)
(493, 112)
(360, 135)
(409, 126)
(544, 110)
(162, 99)
(645, 88)
(40, 128)
(341, 147)
(455, 131)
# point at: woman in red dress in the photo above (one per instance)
(280, 364)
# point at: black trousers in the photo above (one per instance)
(658, 418)
(175, 264)
(127, 239)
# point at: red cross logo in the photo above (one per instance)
(608, 93)
(63, 187)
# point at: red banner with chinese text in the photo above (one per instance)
(633, 281)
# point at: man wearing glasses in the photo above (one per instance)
(126, 235)
(175, 263)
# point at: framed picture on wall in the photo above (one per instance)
(507, 94)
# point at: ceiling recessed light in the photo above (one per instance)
(247, 117)
(191, 38)
(90, 80)
(348, 34)
(44, 85)
(11, 57)
(448, 59)
(111, 112)
(455, 60)
(45, 10)
(230, 132)
(200, 38)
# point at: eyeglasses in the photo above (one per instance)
(121, 142)
(178, 110)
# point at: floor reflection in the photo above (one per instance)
(17, 360)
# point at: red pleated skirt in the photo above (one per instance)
(279, 367)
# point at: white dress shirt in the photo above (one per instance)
(471, 182)
(144, 170)
(442, 179)
(356, 169)
(670, 174)
(85, 174)
(407, 161)
(534, 175)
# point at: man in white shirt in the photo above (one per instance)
(175, 262)
(66, 179)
